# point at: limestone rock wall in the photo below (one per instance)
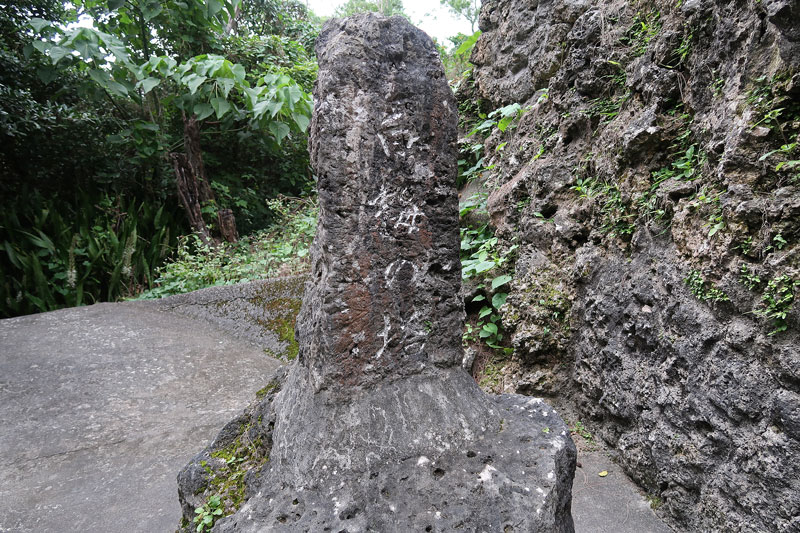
(658, 231)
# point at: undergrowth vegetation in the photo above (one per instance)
(281, 249)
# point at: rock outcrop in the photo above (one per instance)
(652, 185)
(376, 426)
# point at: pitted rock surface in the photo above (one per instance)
(697, 393)
(376, 426)
(385, 260)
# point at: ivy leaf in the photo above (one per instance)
(500, 280)
(221, 106)
(484, 311)
(499, 299)
(479, 298)
(491, 328)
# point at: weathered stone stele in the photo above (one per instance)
(377, 427)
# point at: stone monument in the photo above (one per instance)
(376, 426)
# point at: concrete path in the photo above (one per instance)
(610, 504)
(101, 406)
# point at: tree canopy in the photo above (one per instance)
(385, 7)
(469, 9)
(124, 123)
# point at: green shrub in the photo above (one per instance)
(279, 250)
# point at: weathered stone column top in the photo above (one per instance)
(383, 298)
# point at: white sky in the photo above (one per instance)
(429, 15)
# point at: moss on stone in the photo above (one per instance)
(226, 475)
(263, 391)
(281, 314)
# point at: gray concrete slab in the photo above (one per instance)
(101, 406)
(609, 504)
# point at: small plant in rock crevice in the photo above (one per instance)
(579, 429)
(483, 259)
(790, 162)
(207, 514)
(709, 203)
(472, 159)
(748, 278)
(644, 28)
(777, 300)
(702, 290)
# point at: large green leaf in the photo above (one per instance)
(38, 24)
(499, 299)
(213, 7)
(483, 266)
(101, 77)
(151, 10)
(238, 72)
(279, 130)
(301, 121)
(117, 88)
(203, 111)
(193, 81)
(148, 84)
(46, 74)
(57, 52)
(468, 44)
(42, 46)
(226, 84)
(500, 280)
(221, 106)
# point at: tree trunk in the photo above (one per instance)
(193, 188)
(189, 196)
(194, 155)
(227, 225)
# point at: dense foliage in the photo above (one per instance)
(129, 127)
(98, 100)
